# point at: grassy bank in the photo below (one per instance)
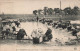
(31, 16)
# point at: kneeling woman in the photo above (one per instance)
(20, 34)
(48, 35)
(37, 35)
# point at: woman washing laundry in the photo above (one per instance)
(21, 34)
(37, 35)
(48, 35)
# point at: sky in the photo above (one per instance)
(27, 6)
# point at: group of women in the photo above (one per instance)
(8, 28)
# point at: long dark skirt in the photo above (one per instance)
(47, 38)
(35, 40)
(20, 36)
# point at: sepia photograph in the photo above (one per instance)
(39, 25)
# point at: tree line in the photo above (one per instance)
(57, 11)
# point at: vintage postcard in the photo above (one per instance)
(39, 25)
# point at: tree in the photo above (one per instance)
(56, 10)
(67, 10)
(50, 11)
(45, 10)
(75, 10)
(39, 11)
(35, 12)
